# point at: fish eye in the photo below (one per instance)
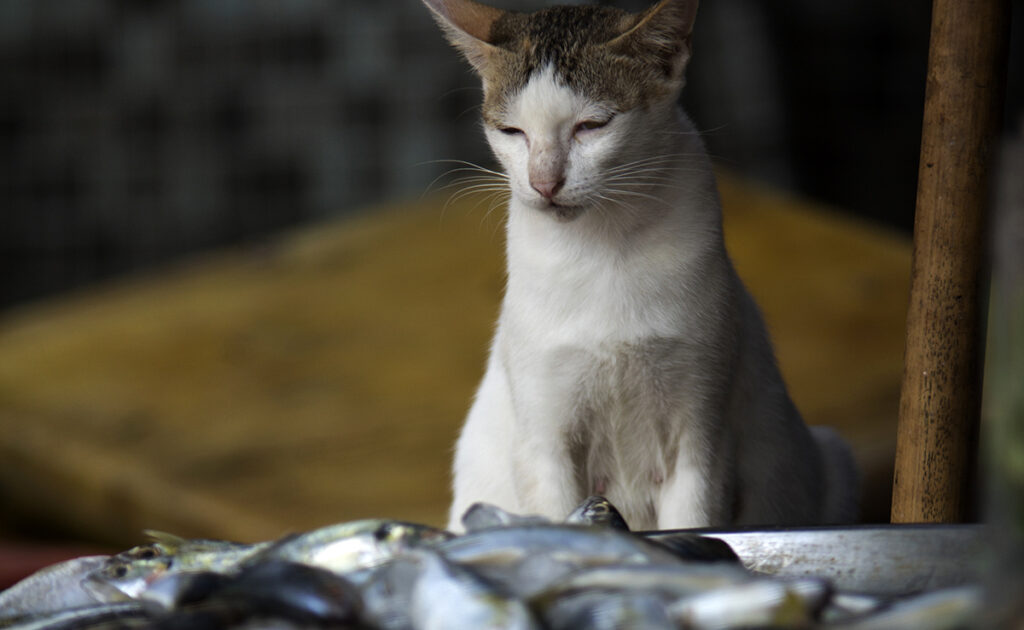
(121, 571)
(383, 532)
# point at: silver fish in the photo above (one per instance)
(447, 596)
(129, 573)
(843, 607)
(287, 590)
(763, 602)
(668, 581)
(600, 610)
(347, 547)
(584, 546)
(82, 618)
(486, 516)
(597, 510)
(945, 609)
(53, 588)
(121, 580)
(221, 556)
(386, 592)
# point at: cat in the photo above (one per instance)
(629, 360)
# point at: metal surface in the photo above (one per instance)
(885, 560)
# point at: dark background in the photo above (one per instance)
(134, 132)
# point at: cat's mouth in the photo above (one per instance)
(562, 212)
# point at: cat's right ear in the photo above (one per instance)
(468, 26)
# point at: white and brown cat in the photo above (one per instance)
(629, 359)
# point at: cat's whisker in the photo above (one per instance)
(633, 193)
(651, 175)
(656, 159)
(473, 165)
(471, 191)
(468, 181)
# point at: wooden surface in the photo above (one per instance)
(323, 376)
(940, 404)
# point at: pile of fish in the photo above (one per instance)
(506, 571)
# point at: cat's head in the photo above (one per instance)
(575, 95)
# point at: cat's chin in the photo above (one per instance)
(558, 211)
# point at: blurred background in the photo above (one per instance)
(135, 131)
(137, 134)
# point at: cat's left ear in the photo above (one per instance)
(467, 24)
(662, 33)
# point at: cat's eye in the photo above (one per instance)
(511, 131)
(590, 125)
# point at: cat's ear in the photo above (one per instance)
(663, 34)
(467, 25)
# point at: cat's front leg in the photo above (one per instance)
(546, 402)
(483, 468)
(699, 491)
(544, 478)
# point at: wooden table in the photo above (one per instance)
(323, 375)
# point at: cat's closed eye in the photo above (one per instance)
(511, 131)
(590, 125)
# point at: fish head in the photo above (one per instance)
(120, 579)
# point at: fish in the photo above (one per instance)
(758, 603)
(287, 590)
(52, 588)
(486, 516)
(122, 580)
(107, 616)
(221, 556)
(447, 596)
(601, 610)
(527, 559)
(128, 574)
(348, 547)
(843, 607)
(597, 510)
(585, 545)
(174, 590)
(386, 592)
(668, 581)
(943, 609)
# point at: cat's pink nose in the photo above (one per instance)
(548, 189)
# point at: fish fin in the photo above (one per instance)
(171, 541)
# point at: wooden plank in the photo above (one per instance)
(940, 403)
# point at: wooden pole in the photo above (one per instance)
(936, 442)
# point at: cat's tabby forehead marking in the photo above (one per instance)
(572, 41)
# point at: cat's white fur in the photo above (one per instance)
(629, 360)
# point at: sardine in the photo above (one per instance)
(486, 516)
(53, 588)
(582, 545)
(447, 596)
(221, 556)
(945, 609)
(597, 510)
(82, 618)
(668, 581)
(600, 610)
(128, 574)
(352, 546)
(759, 603)
(121, 580)
(386, 592)
(288, 590)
